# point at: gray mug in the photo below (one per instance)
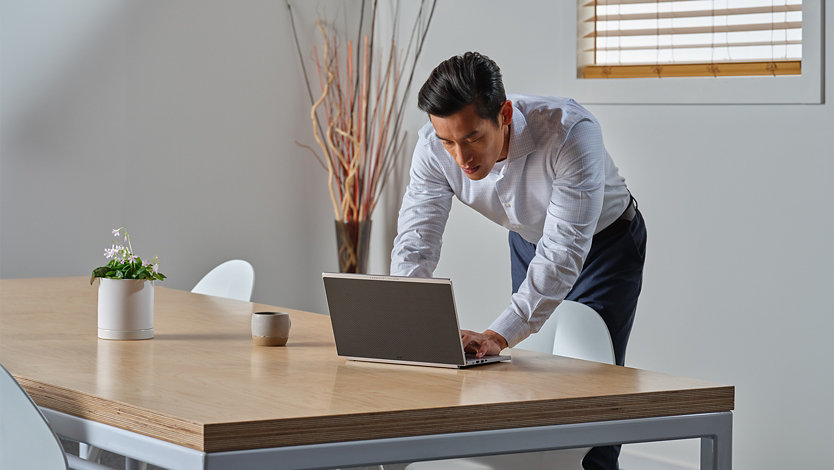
(270, 328)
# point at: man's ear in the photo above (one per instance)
(506, 115)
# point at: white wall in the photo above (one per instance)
(177, 119)
(739, 205)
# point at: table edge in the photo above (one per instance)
(228, 436)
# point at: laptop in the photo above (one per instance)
(400, 320)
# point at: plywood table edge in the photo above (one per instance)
(122, 415)
(281, 432)
(405, 423)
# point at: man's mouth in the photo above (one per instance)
(471, 169)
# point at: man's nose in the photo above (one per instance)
(462, 157)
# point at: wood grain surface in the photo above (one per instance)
(201, 382)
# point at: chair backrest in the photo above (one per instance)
(574, 330)
(26, 440)
(582, 334)
(233, 279)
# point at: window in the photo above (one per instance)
(691, 51)
(646, 38)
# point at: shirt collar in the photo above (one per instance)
(521, 141)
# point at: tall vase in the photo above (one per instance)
(125, 309)
(352, 241)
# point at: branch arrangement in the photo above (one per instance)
(357, 116)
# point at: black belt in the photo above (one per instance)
(620, 225)
(630, 211)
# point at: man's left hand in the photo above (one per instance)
(488, 343)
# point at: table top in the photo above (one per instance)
(201, 382)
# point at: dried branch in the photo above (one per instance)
(321, 162)
(362, 107)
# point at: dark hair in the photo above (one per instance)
(461, 80)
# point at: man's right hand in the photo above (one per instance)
(488, 343)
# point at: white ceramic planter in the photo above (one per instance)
(125, 309)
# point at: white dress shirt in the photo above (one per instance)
(557, 188)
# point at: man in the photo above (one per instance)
(538, 167)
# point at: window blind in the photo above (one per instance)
(679, 38)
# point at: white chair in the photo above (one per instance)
(577, 331)
(26, 439)
(233, 279)
(574, 330)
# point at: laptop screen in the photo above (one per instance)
(394, 318)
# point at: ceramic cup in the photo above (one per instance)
(270, 328)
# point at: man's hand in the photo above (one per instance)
(488, 343)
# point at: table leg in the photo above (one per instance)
(717, 449)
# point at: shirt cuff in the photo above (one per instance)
(511, 326)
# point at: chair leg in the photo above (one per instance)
(133, 464)
(88, 452)
(93, 454)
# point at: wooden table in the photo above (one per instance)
(200, 395)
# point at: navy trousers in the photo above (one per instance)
(610, 283)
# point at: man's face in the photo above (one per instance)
(475, 143)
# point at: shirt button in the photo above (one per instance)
(506, 204)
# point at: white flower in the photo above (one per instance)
(153, 264)
(118, 252)
(111, 252)
(116, 232)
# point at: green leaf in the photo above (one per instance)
(100, 271)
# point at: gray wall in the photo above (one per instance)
(177, 119)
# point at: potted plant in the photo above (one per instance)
(125, 293)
